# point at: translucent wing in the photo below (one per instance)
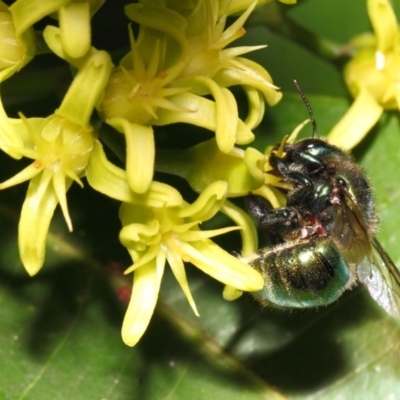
(376, 271)
(382, 279)
(350, 231)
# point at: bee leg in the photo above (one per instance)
(297, 178)
(257, 206)
(277, 224)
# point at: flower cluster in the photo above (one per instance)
(59, 145)
(181, 67)
(149, 88)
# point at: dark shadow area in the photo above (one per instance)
(164, 348)
(96, 224)
(310, 355)
(60, 299)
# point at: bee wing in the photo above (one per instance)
(351, 228)
(382, 278)
(377, 271)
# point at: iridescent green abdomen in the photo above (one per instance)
(301, 275)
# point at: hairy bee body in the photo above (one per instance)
(323, 240)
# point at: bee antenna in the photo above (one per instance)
(309, 109)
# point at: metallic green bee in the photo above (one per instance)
(324, 239)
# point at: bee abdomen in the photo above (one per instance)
(300, 275)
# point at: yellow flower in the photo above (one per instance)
(112, 181)
(17, 48)
(212, 67)
(74, 19)
(60, 146)
(154, 236)
(245, 171)
(159, 226)
(240, 5)
(179, 57)
(372, 76)
(73, 15)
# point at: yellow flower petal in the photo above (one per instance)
(236, 6)
(272, 194)
(208, 203)
(248, 230)
(203, 164)
(27, 12)
(238, 51)
(226, 112)
(227, 121)
(230, 293)
(194, 236)
(74, 20)
(178, 270)
(26, 174)
(86, 89)
(358, 120)
(161, 19)
(256, 106)
(36, 214)
(197, 110)
(384, 23)
(219, 264)
(138, 233)
(143, 301)
(150, 255)
(15, 51)
(10, 139)
(140, 153)
(236, 29)
(60, 189)
(255, 162)
(112, 181)
(249, 73)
